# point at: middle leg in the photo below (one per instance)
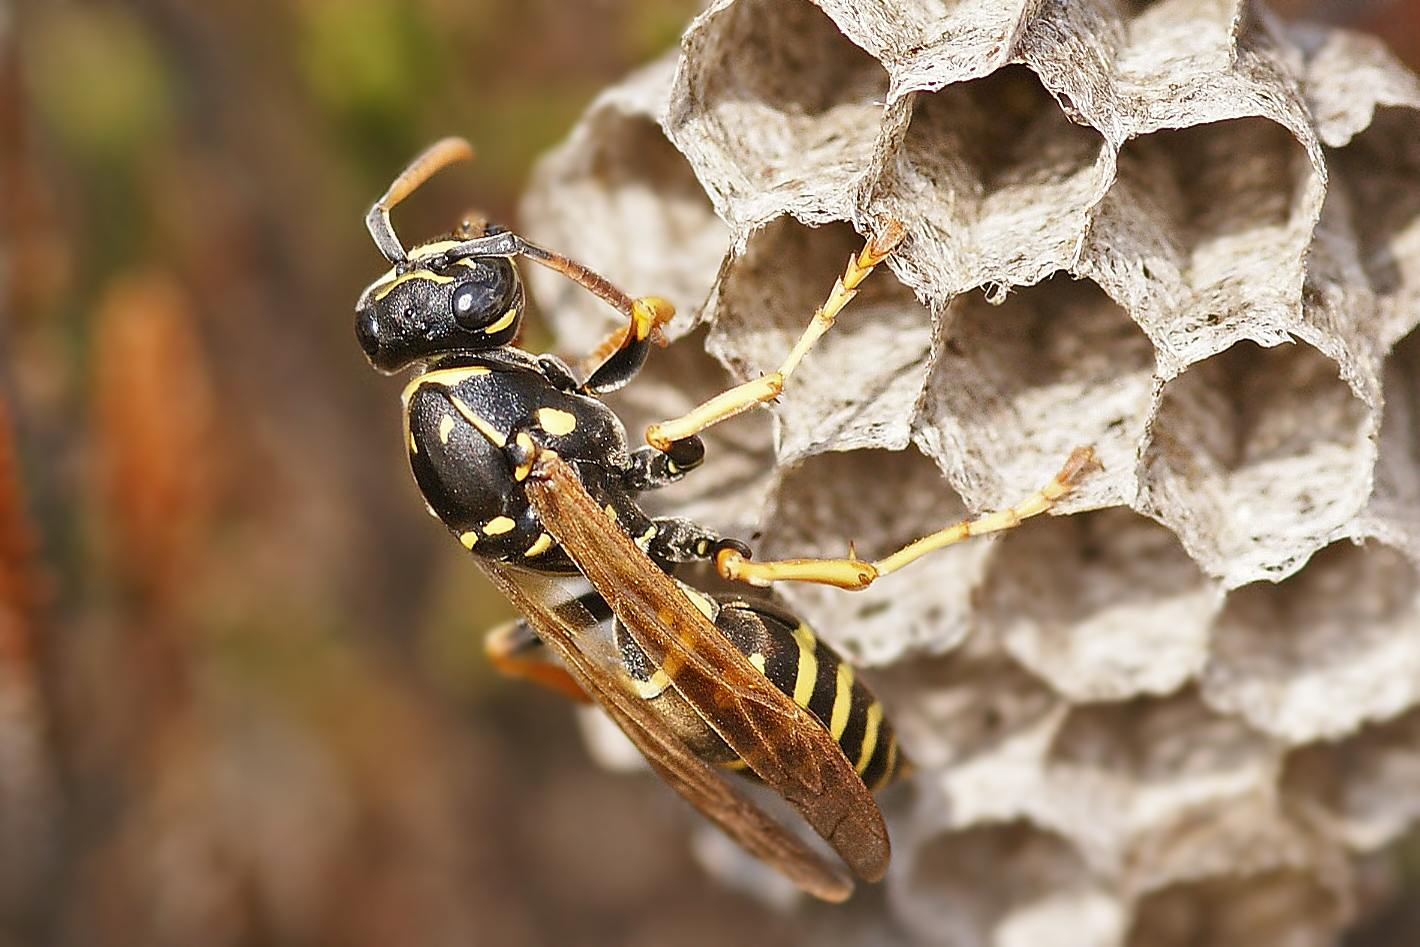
(853, 573)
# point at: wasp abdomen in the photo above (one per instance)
(795, 661)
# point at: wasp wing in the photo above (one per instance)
(782, 742)
(701, 784)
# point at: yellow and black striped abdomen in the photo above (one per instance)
(793, 658)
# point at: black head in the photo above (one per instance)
(438, 302)
(461, 294)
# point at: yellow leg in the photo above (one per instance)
(853, 573)
(648, 314)
(741, 398)
(509, 652)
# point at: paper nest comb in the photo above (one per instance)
(1181, 232)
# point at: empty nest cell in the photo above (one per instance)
(1331, 647)
(1023, 885)
(1206, 230)
(874, 502)
(619, 197)
(1376, 171)
(771, 98)
(1156, 790)
(1275, 907)
(1019, 384)
(974, 165)
(858, 385)
(967, 714)
(1362, 788)
(1395, 500)
(1256, 457)
(1103, 605)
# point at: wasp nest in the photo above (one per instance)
(1181, 232)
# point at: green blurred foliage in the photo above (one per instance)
(98, 82)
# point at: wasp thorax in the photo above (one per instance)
(419, 311)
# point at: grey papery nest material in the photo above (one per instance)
(1185, 234)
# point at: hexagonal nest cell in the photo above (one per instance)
(1181, 232)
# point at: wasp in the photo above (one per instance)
(521, 460)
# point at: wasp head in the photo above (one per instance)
(432, 304)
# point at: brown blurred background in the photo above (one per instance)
(242, 693)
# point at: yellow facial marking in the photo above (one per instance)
(539, 546)
(501, 324)
(430, 275)
(446, 427)
(610, 512)
(413, 444)
(498, 525)
(469, 539)
(556, 421)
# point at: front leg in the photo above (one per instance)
(742, 397)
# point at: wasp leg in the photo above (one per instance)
(516, 651)
(741, 398)
(677, 540)
(625, 350)
(853, 573)
(650, 468)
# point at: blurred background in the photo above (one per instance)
(242, 691)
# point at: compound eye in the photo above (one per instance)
(486, 296)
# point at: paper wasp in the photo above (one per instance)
(532, 472)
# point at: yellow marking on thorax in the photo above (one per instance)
(871, 726)
(469, 539)
(807, 674)
(502, 323)
(757, 659)
(525, 444)
(443, 377)
(446, 427)
(556, 421)
(842, 700)
(539, 546)
(498, 525)
(494, 435)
